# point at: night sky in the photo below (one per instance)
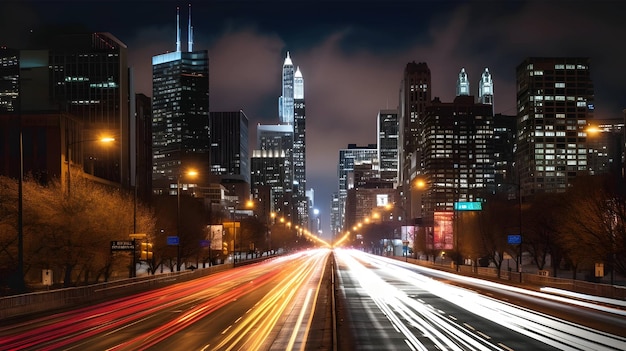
(351, 54)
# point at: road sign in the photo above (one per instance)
(515, 239)
(122, 245)
(137, 236)
(468, 206)
(205, 243)
(173, 240)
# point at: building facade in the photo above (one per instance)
(299, 150)
(458, 154)
(83, 76)
(180, 108)
(555, 103)
(415, 95)
(388, 145)
(89, 79)
(350, 159)
(229, 145)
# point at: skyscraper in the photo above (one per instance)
(458, 152)
(415, 95)
(83, 75)
(555, 102)
(9, 79)
(349, 160)
(462, 84)
(286, 100)
(180, 101)
(289, 138)
(299, 148)
(387, 134)
(229, 145)
(485, 88)
(89, 79)
(276, 140)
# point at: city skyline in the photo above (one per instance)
(352, 54)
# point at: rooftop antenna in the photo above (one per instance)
(190, 30)
(177, 29)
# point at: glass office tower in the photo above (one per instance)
(180, 110)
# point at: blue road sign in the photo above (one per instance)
(172, 240)
(515, 239)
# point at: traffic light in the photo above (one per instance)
(225, 247)
(146, 251)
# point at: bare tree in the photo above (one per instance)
(70, 234)
(595, 231)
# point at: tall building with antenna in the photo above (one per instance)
(180, 103)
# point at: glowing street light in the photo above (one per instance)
(68, 149)
(192, 174)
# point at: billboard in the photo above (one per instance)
(382, 200)
(443, 235)
(408, 234)
(214, 235)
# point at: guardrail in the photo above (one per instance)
(536, 279)
(20, 305)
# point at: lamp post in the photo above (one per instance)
(518, 261)
(68, 154)
(190, 173)
(249, 204)
(269, 233)
(232, 220)
(21, 284)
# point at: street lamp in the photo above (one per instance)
(190, 173)
(68, 155)
(249, 204)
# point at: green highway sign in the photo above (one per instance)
(468, 206)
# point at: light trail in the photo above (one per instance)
(254, 330)
(188, 303)
(446, 331)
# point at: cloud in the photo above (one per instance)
(245, 73)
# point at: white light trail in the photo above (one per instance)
(443, 329)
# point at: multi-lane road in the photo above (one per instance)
(392, 305)
(288, 303)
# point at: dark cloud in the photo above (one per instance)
(352, 54)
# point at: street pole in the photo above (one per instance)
(406, 237)
(519, 195)
(232, 217)
(178, 222)
(21, 287)
(133, 270)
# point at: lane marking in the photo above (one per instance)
(294, 334)
(483, 335)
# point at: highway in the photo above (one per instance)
(391, 305)
(287, 303)
(262, 306)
